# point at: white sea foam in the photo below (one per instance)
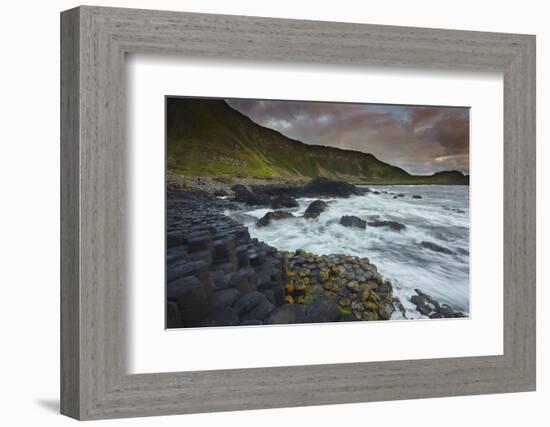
(441, 216)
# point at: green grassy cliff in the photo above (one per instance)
(208, 137)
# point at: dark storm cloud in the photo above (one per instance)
(421, 115)
(452, 134)
(422, 140)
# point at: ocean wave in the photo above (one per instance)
(440, 216)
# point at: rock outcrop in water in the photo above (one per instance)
(283, 196)
(435, 247)
(243, 194)
(353, 285)
(325, 187)
(273, 216)
(283, 201)
(392, 225)
(317, 187)
(428, 306)
(315, 209)
(353, 221)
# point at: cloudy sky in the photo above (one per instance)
(420, 139)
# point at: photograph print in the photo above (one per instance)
(296, 212)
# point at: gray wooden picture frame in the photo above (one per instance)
(94, 41)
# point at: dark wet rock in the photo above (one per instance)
(213, 259)
(183, 269)
(191, 297)
(283, 201)
(286, 314)
(385, 311)
(432, 302)
(352, 283)
(244, 281)
(385, 287)
(205, 256)
(318, 187)
(260, 311)
(275, 295)
(436, 315)
(421, 308)
(392, 225)
(424, 303)
(243, 194)
(268, 294)
(456, 210)
(279, 190)
(325, 187)
(322, 310)
(353, 221)
(237, 278)
(435, 247)
(220, 279)
(241, 254)
(228, 267)
(173, 319)
(315, 209)
(224, 298)
(376, 192)
(174, 239)
(258, 258)
(246, 303)
(199, 241)
(175, 254)
(251, 322)
(273, 216)
(348, 318)
(239, 188)
(188, 292)
(428, 306)
(220, 193)
(224, 317)
(417, 300)
(446, 310)
(416, 196)
(399, 306)
(224, 247)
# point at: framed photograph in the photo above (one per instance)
(263, 228)
(262, 213)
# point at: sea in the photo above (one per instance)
(441, 216)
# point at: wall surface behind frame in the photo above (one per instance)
(29, 217)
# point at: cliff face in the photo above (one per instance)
(208, 137)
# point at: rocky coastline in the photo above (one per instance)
(217, 275)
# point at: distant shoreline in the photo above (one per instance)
(213, 184)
